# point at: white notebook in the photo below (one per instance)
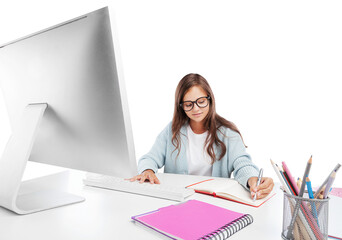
(335, 217)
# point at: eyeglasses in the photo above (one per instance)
(201, 102)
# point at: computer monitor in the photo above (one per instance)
(67, 104)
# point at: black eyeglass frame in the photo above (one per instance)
(193, 103)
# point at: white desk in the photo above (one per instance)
(106, 215)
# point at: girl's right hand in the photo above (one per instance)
(147, 175)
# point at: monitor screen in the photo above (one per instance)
(74, 68)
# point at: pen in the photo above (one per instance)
(258, 182)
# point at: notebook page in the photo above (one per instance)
(215, 185)
(190, 220)
(243, 195)
(228, 188)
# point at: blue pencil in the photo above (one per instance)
(311, 196)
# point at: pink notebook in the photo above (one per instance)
(194, 219)
(336, 192)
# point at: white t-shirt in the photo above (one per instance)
(198, 158)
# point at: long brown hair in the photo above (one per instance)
(211, 122)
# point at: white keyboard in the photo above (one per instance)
(175, 193)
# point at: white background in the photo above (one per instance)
(274, 67)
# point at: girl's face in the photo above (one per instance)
(196, 114)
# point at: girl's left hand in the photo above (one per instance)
(265, 187)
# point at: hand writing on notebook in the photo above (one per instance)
(147, 175)
(265, 187)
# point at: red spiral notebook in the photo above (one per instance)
(228, 189)
(194, 219)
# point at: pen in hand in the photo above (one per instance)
(258, 183)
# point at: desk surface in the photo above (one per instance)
(106, 214)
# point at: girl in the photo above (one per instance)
(198, 141)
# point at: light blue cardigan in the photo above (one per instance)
(236, 160)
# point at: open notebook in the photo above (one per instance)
(194, 219)
(228, 189)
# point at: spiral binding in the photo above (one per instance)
(229, 229)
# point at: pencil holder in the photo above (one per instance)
(305, 218)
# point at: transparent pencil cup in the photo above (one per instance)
(305, 218)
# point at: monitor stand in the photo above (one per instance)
(25, 198)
